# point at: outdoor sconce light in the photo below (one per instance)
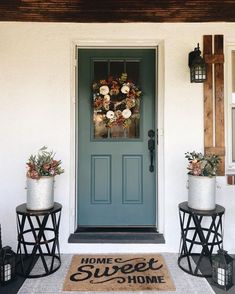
(7, 263)
(222, 270)
(197, 66)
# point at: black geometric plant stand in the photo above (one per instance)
(38, 241)
(201, 234)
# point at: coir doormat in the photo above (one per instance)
(118, 272)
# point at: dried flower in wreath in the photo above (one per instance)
(116, 100)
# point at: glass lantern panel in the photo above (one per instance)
(200, 73)
(221, 276)
(116, 116)
(230, 271)
(7, 272)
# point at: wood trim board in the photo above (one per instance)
(214, 141)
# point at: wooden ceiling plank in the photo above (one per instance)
(117, 11)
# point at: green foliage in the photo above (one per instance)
(123, 78)
(202, 165)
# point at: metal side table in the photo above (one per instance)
(201, 233)
(38, 241)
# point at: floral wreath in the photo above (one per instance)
(116, 100)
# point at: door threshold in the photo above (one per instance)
(117, 235)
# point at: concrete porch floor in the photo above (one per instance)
(15, 285)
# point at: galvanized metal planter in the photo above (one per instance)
(201, 192)
(40, 193)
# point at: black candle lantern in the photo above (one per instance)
(197, 65)
(0, 238)
(222, 270)
(7, 263)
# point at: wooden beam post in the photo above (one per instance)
(214, 99)
(219, 99)
(208, 96)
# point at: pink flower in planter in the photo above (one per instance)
(46, 166)
(52, 172)
(33, 174)
(195, 167)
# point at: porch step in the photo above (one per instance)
(117, 235)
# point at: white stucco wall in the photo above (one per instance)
(36, 109)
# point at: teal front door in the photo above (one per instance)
(116, 171)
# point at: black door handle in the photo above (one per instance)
(151, 148)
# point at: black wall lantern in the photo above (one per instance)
(222, 270)
(197, 66)
(7, 263)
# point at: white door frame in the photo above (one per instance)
(160, 81)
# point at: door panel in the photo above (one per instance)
(101, 193)
(132, 172)
(115, 187)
